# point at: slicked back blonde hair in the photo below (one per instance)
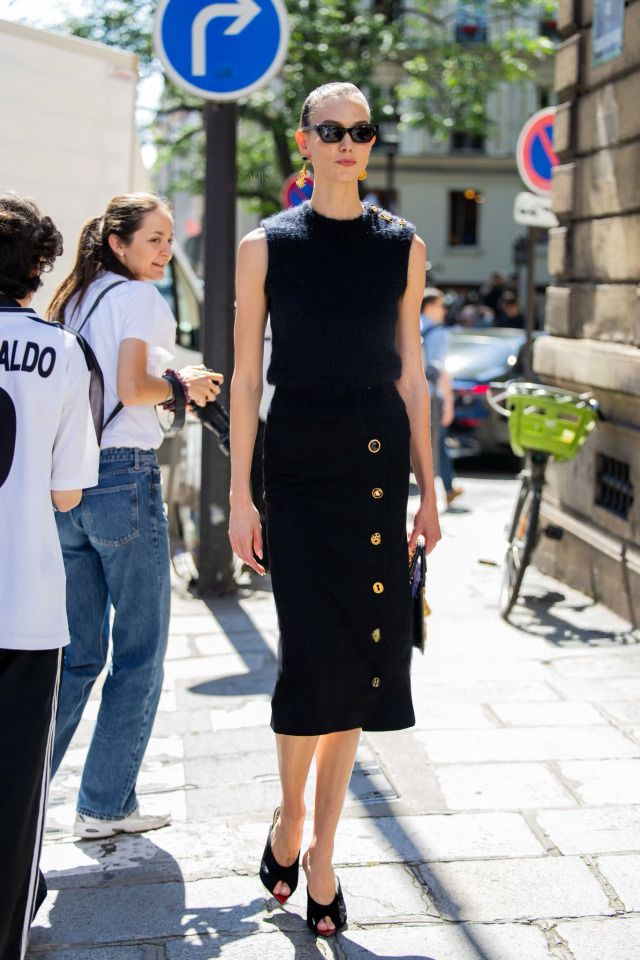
(326, 92)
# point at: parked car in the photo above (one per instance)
(476, 358)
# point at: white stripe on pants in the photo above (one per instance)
(44, 797)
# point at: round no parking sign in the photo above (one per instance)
(293, 195)
(535, 155)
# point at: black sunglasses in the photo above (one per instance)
(334, 132)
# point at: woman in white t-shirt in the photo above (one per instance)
(115, 543)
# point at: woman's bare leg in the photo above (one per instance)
(294, 761)
(335, 756)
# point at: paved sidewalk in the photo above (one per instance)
(505, 826)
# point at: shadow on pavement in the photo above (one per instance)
(249, 642)
(458, 511)
(236, 622)
(136, 896)
(136, 899)
(534, 614)
(303, 943)
(335, 948)
(391, 829)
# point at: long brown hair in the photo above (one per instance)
(123, 217)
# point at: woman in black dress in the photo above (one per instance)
(342, 282)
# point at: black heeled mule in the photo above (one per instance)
(336, 911)
(272, 873)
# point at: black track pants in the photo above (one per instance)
(29, 683)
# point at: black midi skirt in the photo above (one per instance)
(336, 489)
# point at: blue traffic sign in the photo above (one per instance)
(221, 51)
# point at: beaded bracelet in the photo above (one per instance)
(171, 376)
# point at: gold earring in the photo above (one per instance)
(363, 175)
(302, 176)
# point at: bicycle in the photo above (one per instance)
(544, 422)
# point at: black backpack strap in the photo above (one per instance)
(96, 384)
(98, 301)
(114, 413)
(116, 410)
(96, 381)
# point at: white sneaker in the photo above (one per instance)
(94, 828)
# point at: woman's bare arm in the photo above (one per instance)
(137, 387)
(413, 388)
(246, 391)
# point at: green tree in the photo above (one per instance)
(404, 55)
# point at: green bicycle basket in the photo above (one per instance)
(548, 419)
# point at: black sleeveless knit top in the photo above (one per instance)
(333, 290)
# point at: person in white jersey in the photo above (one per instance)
(115, 543)
(48, 453)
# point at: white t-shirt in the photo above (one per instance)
(137, 310)
(47, 442)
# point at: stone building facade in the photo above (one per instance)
(593, 304)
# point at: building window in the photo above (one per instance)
(614, 489)
(464, 217)
(471, 22)
(545, 98)
(391, 9)
(549, 28)
(467, 142)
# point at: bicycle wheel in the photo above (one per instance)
(522, 540)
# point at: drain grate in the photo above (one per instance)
(370, 785)
(369, 782)
(614, 489)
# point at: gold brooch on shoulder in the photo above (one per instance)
(388, 217)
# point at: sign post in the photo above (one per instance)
(221, 52)
(215, 561)
(536, 159)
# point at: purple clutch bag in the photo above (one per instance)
(417, 576)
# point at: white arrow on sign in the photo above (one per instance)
(243, 12)
(532, 210)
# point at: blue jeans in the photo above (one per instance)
(444, 461)
(116, 551)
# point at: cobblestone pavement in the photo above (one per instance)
(505, 826)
